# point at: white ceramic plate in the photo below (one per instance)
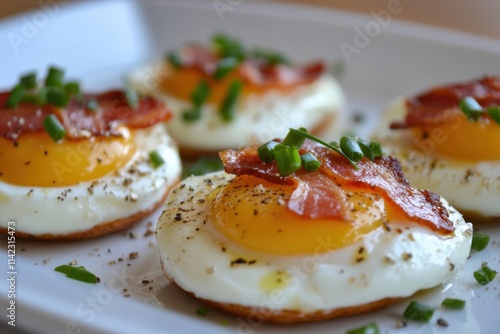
(98, 42)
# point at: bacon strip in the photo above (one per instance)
(383, 176)
(440, 105)
(79, 122)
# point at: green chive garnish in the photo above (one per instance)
(452, 303)
(28, 81)
(270, 57)
(310, 162)
(265, 151)
(202, 310)
(494, 113)
(471, 108)
(202, 166)
(57, 96)
(295, 138)
(351, 148)
(287, 158)
(191, 115)
(371, 328)
(418, 312)
(174, 59)
(156, 159)
(228, 106)
(72, 88)
(224, 67)
(92, 104)
(54, 77)
(485, 275)
(200, 94)
(480, 241)
(15, 96)
(370, 149)
(54, 128)
(228, 47)
(77, 273)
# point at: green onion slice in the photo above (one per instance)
(15, 96)
(228, 47)
(57, 96)
(370, 149)
(54, 128)
(310, 162)
(418, 312)
(156, 159)
(351, 148)
(295, 138)
(471, 108)
(371, 328)
(228, 107)
(224, 67)
(480, 241)
(265, 151)
(191, 115)
(453, 303)
(202, 310)
(174, 59)
(287, 158)
(200, 94)
(54, 77)
(494, 113)
(77, 273)
(485, 275)
(28, 81)
(72, 88)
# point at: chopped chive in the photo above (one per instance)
(203, 165)
(224, 67)
(376, 149)
(15, 96)
(287, 158)
(28, 81)
(77, 273)
(351, 148)
(202, 310)
(370, 149)
(54, 77)
(228, 107)
(42, 95)
(371, 328)
(30, 98)
(310, 162)
(53, 127)
(265, 151)
(471, 108)
(485, 275)
(174, 59)
(200, 94)
(57, 96)
(453, 303)
(191, 115)
(418, 312)
(480, 241)
(295, 138)
(228, 47)
(72, 88)
(270, 57)
(494, 113)
(156, 159)
(92, 104)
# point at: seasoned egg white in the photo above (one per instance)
(471, 187)
(136, 187)
(259, 118)
(395, 263)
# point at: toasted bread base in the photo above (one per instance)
(98, 230)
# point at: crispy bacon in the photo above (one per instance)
(252, 70)
(440, 105)
(80, 122)
(383, 176)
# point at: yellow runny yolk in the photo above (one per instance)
(253, 213)
(459, 138)
(35, 160)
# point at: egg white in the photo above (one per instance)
(136, 187)
(396, 263)
(471, 187)
(258, 119)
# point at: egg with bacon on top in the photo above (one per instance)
(224, 95)
(302, 230)
(448, 140)
(76, 165)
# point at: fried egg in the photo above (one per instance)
(83, 188)
(456, 158)
(231, 242)
(265, 109)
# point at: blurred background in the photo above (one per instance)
(476, 17)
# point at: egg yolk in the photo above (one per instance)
(253, 213)
(182, 82)
(37, 161)
(461, 139)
